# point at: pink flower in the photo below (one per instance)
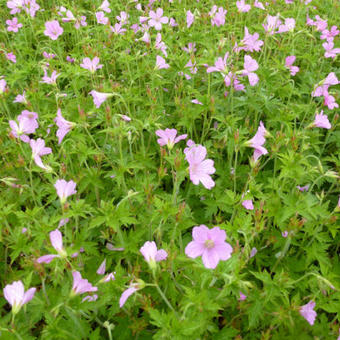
(2, 85)
(38, 150)
(190, 19)
(27, 125)
(242, 6)
(220, 65)
(242, 296)
(56, 239)
(284, 234)
(65, 189)
(64, 126)
(304, 188)
(81, 285)
(123, 18)
(330, 51)
(157, 19)
(322, 121)
(101, 18)
(117, 29)
(53, 29)
(253, 252)
(217, 16)
(109, 277)
(99, 97)
(105, 6)
(15, 6)
(160, 63)
(250, 65)
(329, 35)
(13, 25)
(210, 244)
(196, 101)
(248, 204)
(272, 24)
(102, 267)
(307, 311)
(257, 141)
(126, 118)
(52, 80)
(168, 137)
(200, 168)
(30, 7)
(160, 45)
(16, 296)
(151, 254)
(91, 65)
(290, 60)
(11, 57)
(20, 98)
(289, 25)
(126, 294)
(250, 42)
(80, 22)
(90, 298)
(258, 4)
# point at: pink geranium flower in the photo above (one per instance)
(151, 254)
(217, 16)
(27, 125)
(322, 121)
(168, 137)
(56, 239)
(190, 19)
(15, 6)
(250, 65)
(290, 60)
(289, 25)
(101, 18)
(258, 4)
(248, 204)
(273, 22)
(20, 98)
(53, 29)
(242, 296)
(91, 65)
(101, 269)
(242, 6)
(330, 51)
(200, 168)
(3, 84)
(80, 285)
(16, 296)
(250, 42)
(160, 63)
(99, 97)
(307, 311)
(11, 57)
(105, 6)
(157, 19)
(210, 244)
(64, 126)
(65, 189)
(220, 65)
(118, 29)
(52, 80)
(13, 25)
(38, 150)
(257, 141)
(126, 294)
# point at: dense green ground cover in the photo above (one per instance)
(129, 189)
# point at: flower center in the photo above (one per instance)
(209, 244)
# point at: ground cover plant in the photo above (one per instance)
(169, 169)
